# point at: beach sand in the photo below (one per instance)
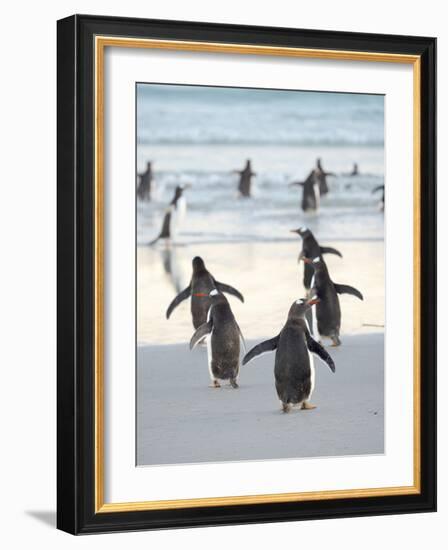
(269, 277)
(182, 420)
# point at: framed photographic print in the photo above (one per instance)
(246, 274)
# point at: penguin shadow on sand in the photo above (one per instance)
(172, 267)
(294, 348)
(214, 322)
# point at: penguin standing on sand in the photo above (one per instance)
(328, 309)
(311, 192)
(311, 249)
(223, 341)
(201, 284)
(294, 363)
(174, 215)
(145, 185)
(381, 203)
(245, 183)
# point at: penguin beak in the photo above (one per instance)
(306, 260)
(187, 186)
(295, 231)
(313, 301)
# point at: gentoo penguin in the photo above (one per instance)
(355, 171)
(328, 310)
(381, 203)
(201, 284)
(294, 365)
(144, 186)
(223, 341)
(174, 215)
(311, 249)
(321, 177)
(245, 183)
(311, 192)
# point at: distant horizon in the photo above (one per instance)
(170, 114)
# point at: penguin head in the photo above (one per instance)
(148, 166)
(302, 231)
(301, 306)
(198, 264)
(217, 297)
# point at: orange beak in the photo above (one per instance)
(306, 260)
(313, 301)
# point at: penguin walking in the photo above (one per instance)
(294, 362)
(381, 203)
(201, 284)
(245, 183)
(311, 192)
(311, 249)
(223, 341)
(174, 215)
(328, 309)
(144, 188)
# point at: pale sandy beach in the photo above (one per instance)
(269, 277)
(182, 420)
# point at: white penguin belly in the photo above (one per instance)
(210, 355)
(313, 373)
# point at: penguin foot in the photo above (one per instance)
(234, 383)
(307, 406)
(335, 341)
(215, 384)
(286, 407)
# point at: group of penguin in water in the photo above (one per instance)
(214, 323)
(313, 187)
(294, 346)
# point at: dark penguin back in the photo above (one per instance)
(328, 310)
(292, 364)
(309, 200)
(202, 283)
(225, 342)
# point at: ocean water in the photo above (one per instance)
(199, 135)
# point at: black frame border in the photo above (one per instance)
(76, 263)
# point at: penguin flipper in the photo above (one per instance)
(317, 349)
(264, 347)
(222, 287)
(186, 293)
(347, 289)
(330, 250)
(242, 337)
(200, 333)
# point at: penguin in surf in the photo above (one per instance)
(381, 203)
(245, 183)
(321, 177)
(144, 188)
(294, 362)
(311, 192)
(311, 249)
(174, 215)
(328, 309)
(201, 284)
(223, 341)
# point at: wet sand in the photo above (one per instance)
(269, 277)
(182, 420)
